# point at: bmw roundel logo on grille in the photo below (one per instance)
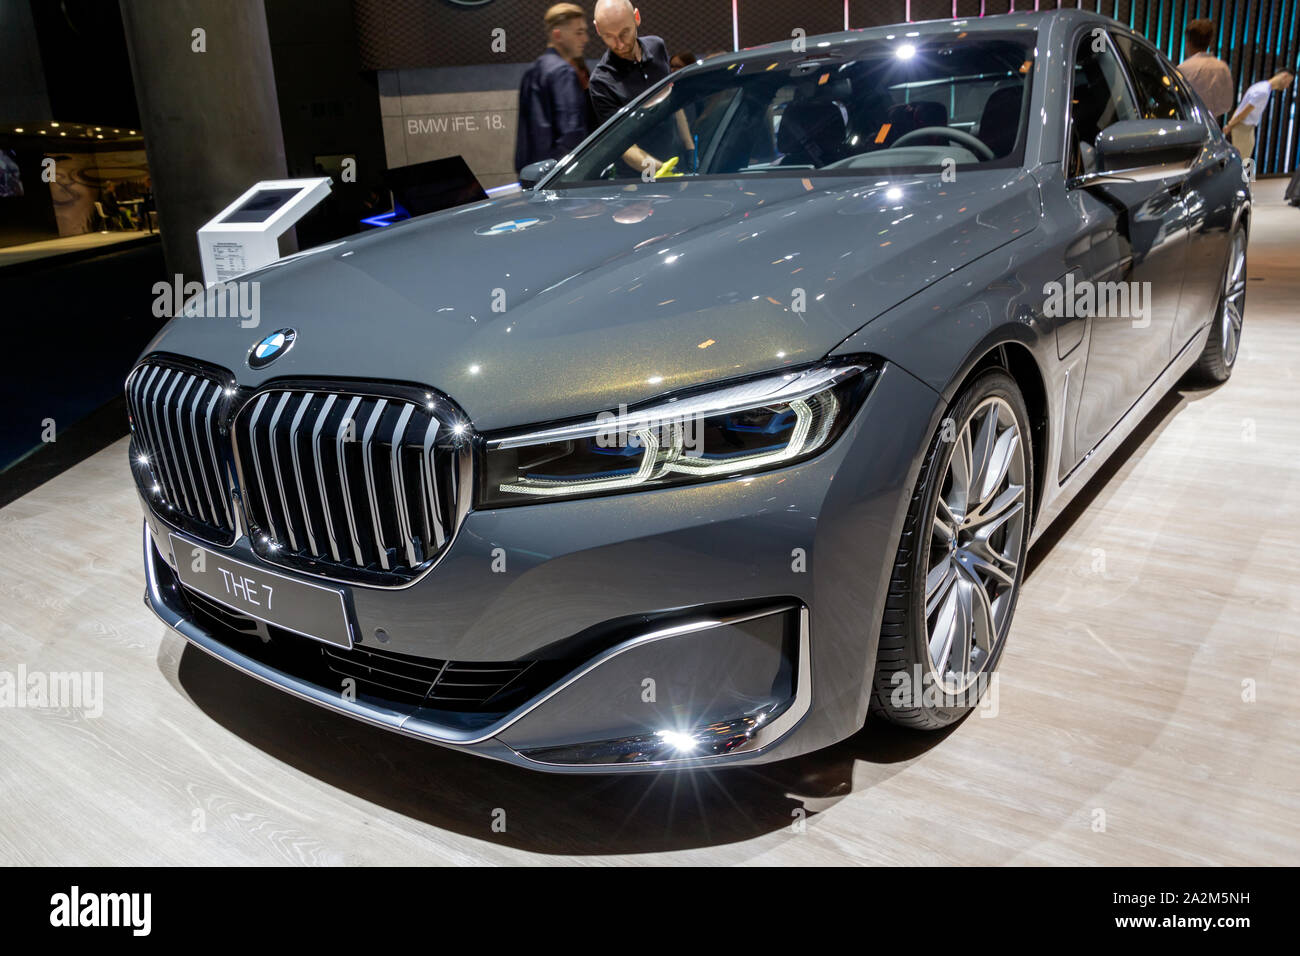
(271, 348)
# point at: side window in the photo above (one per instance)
(1159, 93)
(1188, 105)
(1100, 97)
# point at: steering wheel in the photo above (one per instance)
(959, 136)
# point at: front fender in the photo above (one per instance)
(940, 334)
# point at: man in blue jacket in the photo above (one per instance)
(552, 102)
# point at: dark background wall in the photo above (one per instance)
(84, 54)
(100, 311)
(23, 96)
(328, 107)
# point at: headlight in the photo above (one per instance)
(753, 426)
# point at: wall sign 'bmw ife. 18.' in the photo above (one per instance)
(712, 464)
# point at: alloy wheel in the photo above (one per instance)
(1234, 295)
(977, 534)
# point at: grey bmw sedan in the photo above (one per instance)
(734, 426)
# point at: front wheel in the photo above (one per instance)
(960, 560)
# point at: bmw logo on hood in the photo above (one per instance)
(512, 225)
(271, 348)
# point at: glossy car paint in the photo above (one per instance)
(610, 295)
(608, 298)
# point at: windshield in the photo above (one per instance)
(911, 105)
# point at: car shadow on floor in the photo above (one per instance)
(584, 814)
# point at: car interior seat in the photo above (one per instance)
(811, 132)
(1000, 120)
(929, 113)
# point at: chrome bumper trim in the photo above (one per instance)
(765, 735)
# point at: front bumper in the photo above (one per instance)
(729, 622)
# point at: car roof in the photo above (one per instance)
(844, 40)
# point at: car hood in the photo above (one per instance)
(553, 304)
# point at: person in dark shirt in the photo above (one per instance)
(553, 110)
(630, 66)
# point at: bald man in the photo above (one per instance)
(630, 66)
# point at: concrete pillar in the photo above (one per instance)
(23, 97)
(210, 119)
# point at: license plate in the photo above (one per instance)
(307, 609)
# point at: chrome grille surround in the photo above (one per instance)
(354, 482)
(179, 435)
(199, 470)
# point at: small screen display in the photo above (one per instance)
(262, 205)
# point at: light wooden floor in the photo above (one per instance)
(1121, 696)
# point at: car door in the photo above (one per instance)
(1136, 294)
(1206, 194)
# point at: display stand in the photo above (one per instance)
(246, 234)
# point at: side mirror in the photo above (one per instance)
(532, 174)
(1137, 151)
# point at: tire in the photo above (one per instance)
(905, 662)
(1220, 353)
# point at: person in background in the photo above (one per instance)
(579, 64)
(113, 210)
(1206, 74)
(146, 204)
(680, 60)
(630, 66)
(1292, 194)
(553, 114)
(1245, 121)
(377, 201)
